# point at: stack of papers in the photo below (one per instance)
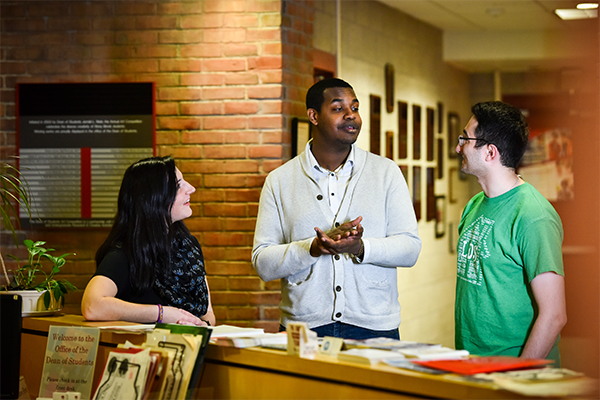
(368, 356)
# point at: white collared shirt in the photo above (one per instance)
(333, 183)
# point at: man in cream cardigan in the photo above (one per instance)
(333, 225)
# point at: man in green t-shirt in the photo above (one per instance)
(510, 292)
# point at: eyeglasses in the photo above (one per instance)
(463, 140)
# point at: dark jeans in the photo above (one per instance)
(347, 331)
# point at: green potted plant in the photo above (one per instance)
(26, 278)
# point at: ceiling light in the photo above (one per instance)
(587, 6)
(572, 13)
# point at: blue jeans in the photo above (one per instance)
(347, 331)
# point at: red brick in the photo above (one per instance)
(270, 76)
(204, 224)
(240, 224)
(271, 48)
(167, 137)
(135, 66)
(263, 5)
(265, 92)
(48, 9)
(218, 93)
(186, 152)
(243, 313)
(202, 137)
(243, 194)
(267, 326)
(224, 6)
(227, 239)
(217, 282)
(9, 68)
(159, 79)
(223, 35)
(13, 10)
(176, 36)
(238, 298)
(179, 8)
(238, 253)
(69, 53)
(180, 65)
(155, 22)
(263, 34)
(230, 210)
(90, 38)
(42, 68)
(245, 136)
(273, 285)
(270, 20)
(245, 283)
(240, 49)
(225, 268)
(178, 93)
(267, 121)
(266, 151)
(201, 50)
(167, 108)
(224, 64)
(201, 21)
(223, 152)
(230, 122)
(45, 39)
(178, 123)
(69, 24)
(202, 108)
(270, 313)
(265, 298)
(90, 9)
(240, 20)
(91, 67)
(227, 180)
(272, 137)
(23, 25)
(271, 107)
(135, 8)
(111, 23)
(266, 62)
(202, 79)
(241, 107)
(241, 78)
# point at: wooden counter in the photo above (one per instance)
(257, 373)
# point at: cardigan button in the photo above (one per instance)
(337, 224)
(338, 288)
(337, 257)
(319, 197)
(338, 315)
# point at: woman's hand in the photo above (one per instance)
(173, 315)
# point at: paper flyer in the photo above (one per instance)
(69, 360)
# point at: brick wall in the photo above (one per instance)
(229, 76)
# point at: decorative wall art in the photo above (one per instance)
(402, 129)
(440, 158)
(430, 114)
(454, 130)
(389, 144)
(416, 110)
(440, 216)
(430, 194)
(389, 87)
(300, 135)
(375, 132)
(417, 191)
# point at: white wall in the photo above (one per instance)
(372, 35)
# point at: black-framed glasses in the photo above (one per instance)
(462, 140)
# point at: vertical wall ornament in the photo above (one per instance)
(389, 88)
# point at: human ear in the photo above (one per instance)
(313, 116)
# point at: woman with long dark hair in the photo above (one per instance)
(150, 268)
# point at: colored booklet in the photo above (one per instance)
(476, 365)
(433, 353)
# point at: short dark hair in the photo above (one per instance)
(504, 126)
(143, 228)
(315, 97)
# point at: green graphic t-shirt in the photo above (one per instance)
(504, 242)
